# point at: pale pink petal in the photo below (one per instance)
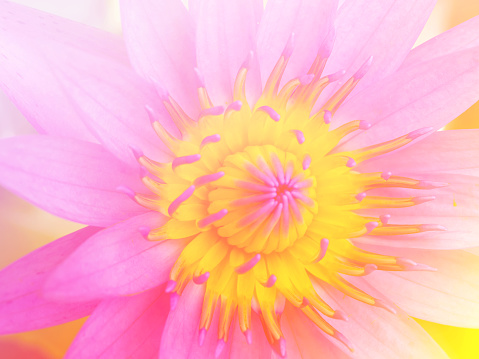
(377, 333)
(455, 206)
(226, 34)
(180, 335)
(304, 339)
(22, 306)
(258, 349)
(449, 296)
(429, 94)
(128, 327)
(384, 29)
(72, 179)
(116, 261)
(461, 37)
(311, 21)
(160, 38)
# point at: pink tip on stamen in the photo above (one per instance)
(185, 160)
(210, 139)
(364, 68)
(369, 268)
(327, 47)
(424, 267)
(323, 248)
(351, 163)
(219, 348)
(288, 49)
(299, 136)
(282, 347)
(143, 172)
(304, 303)
(180, 199)
(170, 286)
(270, 112)
(200, 181)
(199, 77)
(364, 125)
(370, 226)
(205, 222)
(306, 161)
(327, 117)
(137, 152)
(432, 227)
(234, 106)
(360, 196)
(420, 132)
(201, 337)
(213, 111)
(201, 278)
(423, 199)
(336, 76)
(144, 231)
(162, 92)
(242, 269)
(306, 79)
(405, 263)
(248, 61)
(249, 336)
(151, 114)
(382, 304)
(385, 218)
(339, 336)
(386, 175)
(432, 185)
(126, 190)
(340, 315)
(270, 282)
(174, 297)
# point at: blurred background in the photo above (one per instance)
(19, 237)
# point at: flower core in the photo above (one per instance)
(269, 204)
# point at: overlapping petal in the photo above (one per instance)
(116, 261)
(22, 305)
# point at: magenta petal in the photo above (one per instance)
(384, 29)
(449, 296)
(311, 21)
(430, 93)
(116, 261)
(222, 47)
(22, 306)
(377, 333)
(72, 179)
(161, 42)
(128, 327)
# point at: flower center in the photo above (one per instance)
(269, 198)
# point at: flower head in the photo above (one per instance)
(256, 211)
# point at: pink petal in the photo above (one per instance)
(430, 93)
(128, 327)
(305, 340)
(461, 37)
(226, 34)
(22, 306)
(311, 21)
(72, 179)
(449, 296)
(161, 43)
(384, 29)
(377, 333)
(455, 206)
(116, 261)
(258, 349)
(180, 335)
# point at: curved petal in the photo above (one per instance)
(311, 21)
(431, 93)
(72, 179)
(384, 29)
(377, 333)
(305, 340)
(460, 37)
(128, 327)
(160, 39)
(116, 261)
(22, 306)
(226, 33)
(449, 296)
(258, 349)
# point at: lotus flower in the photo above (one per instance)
(265, 183)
